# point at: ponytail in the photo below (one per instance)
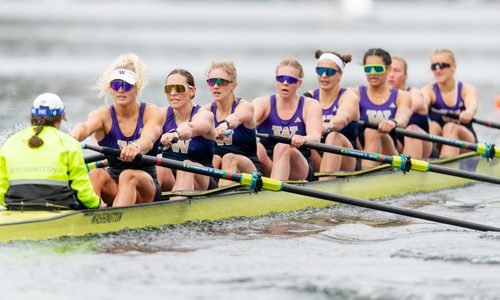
(40, 122)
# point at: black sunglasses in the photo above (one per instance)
(439, 66)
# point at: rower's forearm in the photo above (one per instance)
(79, 132)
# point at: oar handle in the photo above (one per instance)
(457, 116)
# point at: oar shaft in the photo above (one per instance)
(480, 148)
(387, 208)
(333, 149)
(395, 161)
(474, 120)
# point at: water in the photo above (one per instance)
(339, 252)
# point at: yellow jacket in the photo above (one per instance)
(50, 176)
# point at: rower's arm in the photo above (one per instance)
(469, 94)
(94, 123)
(313, 118)
(418, 102)
(202, 124)
(262, 108)
(153, 123)
(403, 111)
(348, 110)
(243, 114)
(428, 95)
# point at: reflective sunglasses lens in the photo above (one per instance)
(440, 66)
(178, 88)
(379, 69)
(127, 86)
(289, 79)
(117, 84)
(218, 81)
(329, 71)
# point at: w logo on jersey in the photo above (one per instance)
(181, 146)
(376, 116)
(287, 131)
(227, 140)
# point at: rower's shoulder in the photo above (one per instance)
(261, 100)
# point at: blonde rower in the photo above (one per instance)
(291, 115)
(236, 150)
(450, 95)
(129, 125)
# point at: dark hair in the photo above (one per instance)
(346, 58)
(40, 122)
(189, 77)
(378, 52)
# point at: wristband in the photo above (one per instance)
(395, 122)
(224, 121)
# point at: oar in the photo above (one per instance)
(257, 182)
(402, 162)
(94, 157)
(456, 116)
(485, 149)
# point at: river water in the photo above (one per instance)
(336, 253)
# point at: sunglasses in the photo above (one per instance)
(375, 68)
(324, 70)
(178, 88)
(218, 81)
(439, 66)
(289, 79)
(117, 84)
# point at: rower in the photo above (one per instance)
(129, 125)
(41, 167)
(419, 120)
(340, 108)
(449, 95)
(188, 134)
(291, 115)
(236, 150)
(380, 104)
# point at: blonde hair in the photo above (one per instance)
(405, 65)
(292, 63)
(226, 66)
(130, 62)
(447, 52)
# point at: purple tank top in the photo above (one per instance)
(373, 113)
(441, 105)
(331, 111)
(115, 138)
(274, 125)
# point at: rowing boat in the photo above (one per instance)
(235, 201)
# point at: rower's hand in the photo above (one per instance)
(386, 126)
(221, 131)
(465, 117)
(298, 141)
(169, 138)
(128, 153)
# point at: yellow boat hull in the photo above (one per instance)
(39, 225)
